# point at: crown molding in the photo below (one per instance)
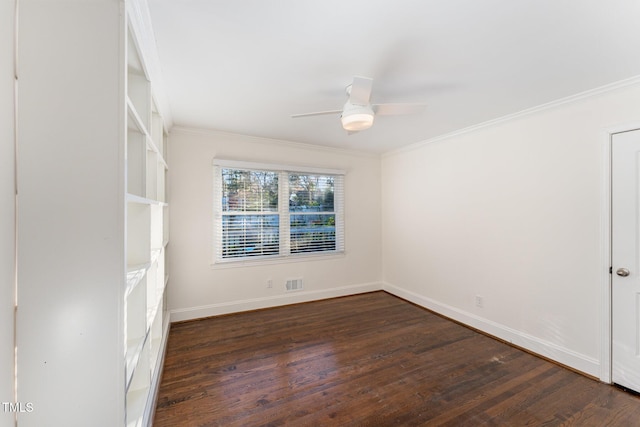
(281, 142)
(529, 111)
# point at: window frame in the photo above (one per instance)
(283, 212)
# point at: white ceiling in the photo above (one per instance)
(244, 66)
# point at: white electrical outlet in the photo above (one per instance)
(269, 283)
(479, 301)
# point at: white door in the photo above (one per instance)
(625, 244)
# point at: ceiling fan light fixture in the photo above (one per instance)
(357, 120)
(358, 112)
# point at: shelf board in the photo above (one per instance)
(164, 163)
(155, 254)
(134, 349)
(153, 311)
(154, 147)
(134, 198)
(151, 314)
(135, 267)
(136, 402)
(159, 295)
(136, 119)
(135, 274)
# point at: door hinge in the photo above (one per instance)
(610, 270)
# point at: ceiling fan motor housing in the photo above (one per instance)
(356, 117)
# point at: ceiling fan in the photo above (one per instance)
(358, 112)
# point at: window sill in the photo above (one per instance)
(276, 260)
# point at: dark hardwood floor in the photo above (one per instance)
(368, 360)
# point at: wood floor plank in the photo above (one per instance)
(370, 359)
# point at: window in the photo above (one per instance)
(249, 213)
(312, 218)
(267, 211)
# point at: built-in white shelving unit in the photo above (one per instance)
(92, 323)
(146, 322)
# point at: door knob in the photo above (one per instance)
(622, 272)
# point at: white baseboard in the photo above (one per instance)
(565, 356)
(294, 297)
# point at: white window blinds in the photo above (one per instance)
(250, 220)
(266, 211)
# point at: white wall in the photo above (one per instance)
(510, 212)
(7, 206)
(196, 289)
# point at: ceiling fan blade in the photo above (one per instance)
(361, 90)
(398, 109)
(317, 113)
